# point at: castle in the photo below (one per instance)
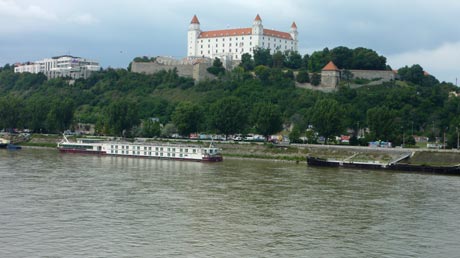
(231, 44)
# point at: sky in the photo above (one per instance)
(408, 32)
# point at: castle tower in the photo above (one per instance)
(294, 33)
(330, 75)
(257, 28)
(193, 34)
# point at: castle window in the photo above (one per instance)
(230, 44)
(223, 45)
(230, 39)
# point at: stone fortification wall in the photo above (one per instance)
(374, 74)
(193, 68)
(330, 79)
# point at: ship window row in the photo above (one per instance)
(152, 154)
(115, 147)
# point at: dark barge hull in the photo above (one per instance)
(447, 170)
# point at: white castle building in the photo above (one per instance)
(61, 66)
(233, 43)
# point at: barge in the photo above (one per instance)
(395, 166)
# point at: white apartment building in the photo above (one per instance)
(61, 66)
(233, 43)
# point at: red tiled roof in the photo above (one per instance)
(242, 32)
(425, 73)
(278, 34)
(195, 20)
(330, 67)
(257, 18)
(225, 33)
(294, 26)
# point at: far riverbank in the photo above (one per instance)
(299, 152)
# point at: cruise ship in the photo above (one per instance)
(141, 150)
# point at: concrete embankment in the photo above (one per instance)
(298, 152)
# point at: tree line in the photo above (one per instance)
(259, 96)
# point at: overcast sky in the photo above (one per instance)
(407, 32)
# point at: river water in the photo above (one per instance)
(69, 205)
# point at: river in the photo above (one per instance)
(69, 205)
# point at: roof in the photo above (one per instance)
(242, 32)
(330, 67)
(278, 34)
(257, 18)
(225, 33)
(195, 20)
(294, 26)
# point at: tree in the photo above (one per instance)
(187, 117)
(318, 60)
(150, 128)
(294, 136)
(10, 111)
(316, 79)
(293, 60)
(217, 67)
(262, 56)
(412, 74)
(266, 118)
(367, 59)
(263, 73)
(303, 76)
(278, 59)
(327, 116)
(383, 123)
(246, 62)
(228, 115)
(121, 116)
(342, 57)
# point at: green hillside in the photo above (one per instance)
(258, 97)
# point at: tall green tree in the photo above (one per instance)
(187, 117)
(266, 118)
(121, 116)
(246, 62)
(228, 115)
(383, 123)
(293, 60)
(262, 56)
(217, 67)
(327, 117)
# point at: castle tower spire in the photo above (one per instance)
(294, 33)
(257, 27)
(195, 20)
